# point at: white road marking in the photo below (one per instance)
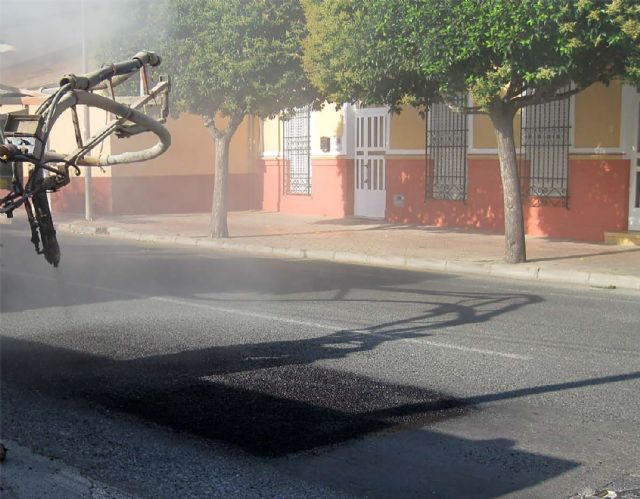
(259, 315)
(474, 350)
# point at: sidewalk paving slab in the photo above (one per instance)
(375, 243)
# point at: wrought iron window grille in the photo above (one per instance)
(297, 152)
(544, 153)
(446, 158)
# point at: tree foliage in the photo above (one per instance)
(387, 51)
(229, 59)
(522, 52)
(134, 25)
(235, 57)
(352, 62)
(506, 54)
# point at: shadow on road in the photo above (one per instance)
(271, 398)
(288, 408)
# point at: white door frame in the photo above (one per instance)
(370, 179)
(631, 142)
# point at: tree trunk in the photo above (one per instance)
(222, 140)
(515, 249)
(221, 173)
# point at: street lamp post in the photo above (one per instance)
(88, 210)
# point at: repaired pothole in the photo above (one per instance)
(281, 410)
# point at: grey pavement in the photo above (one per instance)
(169, 371)
(374, 243)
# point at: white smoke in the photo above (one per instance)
(45, 37)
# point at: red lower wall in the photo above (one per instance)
(482, 210)
(70, 199)
(598, 203)
(157, 194)
(598, 196)
(331, 189)
(598, 200)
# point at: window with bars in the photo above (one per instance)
(297, 152)
(446, 152)
(545, 142)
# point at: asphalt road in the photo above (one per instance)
(169, 372)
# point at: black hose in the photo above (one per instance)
(91, 80)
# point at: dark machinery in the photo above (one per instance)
(24, 137)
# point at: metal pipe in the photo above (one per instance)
(88, 209)
(115, 81)
(118, 109)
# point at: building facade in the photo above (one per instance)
(179, 181)
(578, 160)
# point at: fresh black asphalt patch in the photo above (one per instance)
(277, 411)
(267, 411)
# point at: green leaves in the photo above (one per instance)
(383, 50)
(238, 56)
(227, 57)
(354, 49)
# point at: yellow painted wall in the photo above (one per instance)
(271, 135)
(191, 151)
(598, 116)
(10, 108)
(241, 148)
(484, 136)
(63, 140)
(597, 120)
(328, 122)
(407, 130)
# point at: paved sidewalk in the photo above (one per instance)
(376, 243)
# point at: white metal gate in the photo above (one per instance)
(370, 197)
(634, 195)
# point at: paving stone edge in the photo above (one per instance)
(525, 271)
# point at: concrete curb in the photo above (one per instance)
(527, 272)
